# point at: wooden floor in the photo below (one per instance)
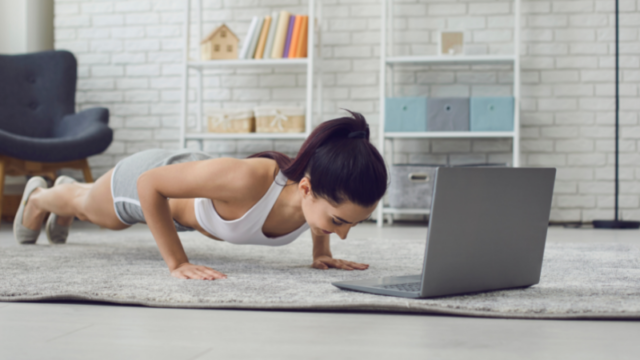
(85, 331)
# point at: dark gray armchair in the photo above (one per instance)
(40, 132)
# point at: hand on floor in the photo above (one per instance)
(190, 271)
(324, 262)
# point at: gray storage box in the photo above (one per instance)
(411, 186)
(448, 114)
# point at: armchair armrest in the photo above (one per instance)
(79, 124)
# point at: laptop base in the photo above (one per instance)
(375, 286)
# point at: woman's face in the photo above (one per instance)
(325, 218)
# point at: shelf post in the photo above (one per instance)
(320, 65)
(390, 18)
(516, 85)
(199, 70)
(185, 75)
(392, 70)
(310, 68)
(383, 78)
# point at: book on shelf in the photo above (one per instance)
(281, 34)
(293, 49)
(254, 38)
(301, 48)
(268, 48)
(247, 39)
(287, 43)
(263, 37)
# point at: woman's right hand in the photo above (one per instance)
(190, 271)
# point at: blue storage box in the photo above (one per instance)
(405, 114)
(492, 114)
(448, 114)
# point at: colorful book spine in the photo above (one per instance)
(263, 37)
(281, 35)
(254, 39)
(293, 49)
(247, 39)
(301, 48)
(287, 43)
(268, 48)
(306, 44)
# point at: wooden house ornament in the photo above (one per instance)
(221, 43)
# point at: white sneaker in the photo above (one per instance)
(23, 234)
(56, 233)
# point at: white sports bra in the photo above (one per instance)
(246, 230)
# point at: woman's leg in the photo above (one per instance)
(87, 202)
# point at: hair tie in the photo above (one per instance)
(357, 135)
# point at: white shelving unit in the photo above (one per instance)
(310, 62)
(387, 64)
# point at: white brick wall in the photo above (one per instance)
(129, 61)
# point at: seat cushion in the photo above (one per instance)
(76, 136)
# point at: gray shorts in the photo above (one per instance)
(125, 176)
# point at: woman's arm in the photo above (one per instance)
(158, 216)
(321, 246)
(322, 258)
(185, 180)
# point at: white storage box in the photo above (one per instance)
(279, 119)
(237, 120)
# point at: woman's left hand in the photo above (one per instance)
(324, 262)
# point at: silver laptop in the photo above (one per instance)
(487, 231)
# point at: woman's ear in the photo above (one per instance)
(304, 187)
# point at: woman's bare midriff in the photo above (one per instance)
(277, 223)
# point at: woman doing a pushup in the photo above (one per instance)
(334, 182)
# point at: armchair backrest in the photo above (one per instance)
(36, 91)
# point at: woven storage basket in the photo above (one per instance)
(279, 119)
(230, 121)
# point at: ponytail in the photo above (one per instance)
(340, 162)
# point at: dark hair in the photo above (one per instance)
(340, 161)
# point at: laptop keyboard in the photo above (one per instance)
(409, 287)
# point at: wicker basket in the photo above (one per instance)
(280, 119)
(230, 121)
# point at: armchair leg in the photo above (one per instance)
(52, 175)
(18, 167)
(86, 170)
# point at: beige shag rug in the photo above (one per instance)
(578, 280)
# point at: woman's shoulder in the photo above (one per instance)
(261, 169)
(250, 166)
(252, 177)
